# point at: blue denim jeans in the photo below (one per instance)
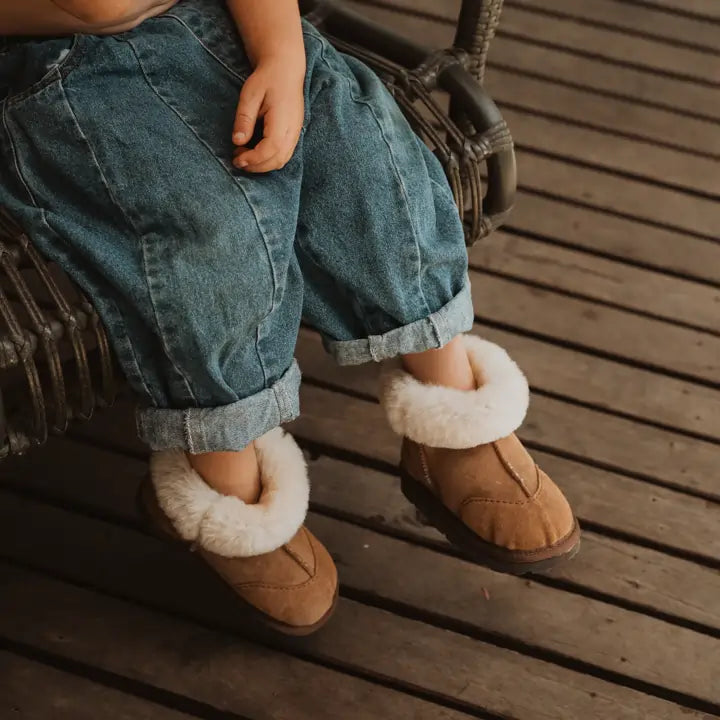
(115, 155)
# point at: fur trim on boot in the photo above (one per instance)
(444, 417)
(223, 524)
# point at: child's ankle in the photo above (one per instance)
(230, 473)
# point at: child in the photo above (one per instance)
(204, 226)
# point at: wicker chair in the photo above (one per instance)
(55, 360)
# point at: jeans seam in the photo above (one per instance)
(186, 430)
(97, 165)
(156, 314)
(240, 187)
(279, 401)
(435, 324)
(127, 340)
(139, 235)
(13, 150)
(43, 214)
(207, 49)
(396, 170)
(123, 214)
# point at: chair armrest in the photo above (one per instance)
(476, 27)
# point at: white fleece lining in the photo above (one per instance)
(448, 418)
(223, 524)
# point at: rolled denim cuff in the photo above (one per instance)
(434, 331)
(225, 427)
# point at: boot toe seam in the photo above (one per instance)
(257, 584)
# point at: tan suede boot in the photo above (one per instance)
(465, 470)
(279, 570)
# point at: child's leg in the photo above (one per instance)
(116, 159)
(230, 472)
(448, 366)
(385, 266)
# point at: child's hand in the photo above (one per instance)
(274, 92)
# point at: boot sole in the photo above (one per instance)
(495, 557)
(250, 610)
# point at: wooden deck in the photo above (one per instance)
(605, 286)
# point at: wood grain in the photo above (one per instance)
(223, 669)
(619, 237)
(32, 691)
(558, 64)
(591, 326)
(597, 278)
(123, 562)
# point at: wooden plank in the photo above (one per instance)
(565, 430)
(552, 129)
(613, 386)
(614, 14)
(597, 278)
(603, 498)
(570, 374)
(229, 675)
(588, 39)
(701, 8)
(639, 86)
(634, 199)
(616, 47)
(512, 89)
(630, 573)
(610, 385)
(582, 434)
(613, 639)
(655, 344)
(631, 18)
(30, 690)
(77, 622)
(618, 237)
(622, 570)
(586, 629)
(554, 63)
(615, 153)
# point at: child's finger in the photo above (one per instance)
(272, 146)
(251, 98)
(276, 162)
(262, 155)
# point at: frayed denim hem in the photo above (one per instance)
(433, 331)
(226, 427)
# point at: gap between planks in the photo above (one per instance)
(555, 221)
(622, 660)
(155, 653)
(187, 664)
(649, 293)
(610, 46)
(32, 686)
(600, 188)
(557, 64)
(620, 572)
(624, 17)
(594, 437)
(703, 10)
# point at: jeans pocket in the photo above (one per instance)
(30, 66)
